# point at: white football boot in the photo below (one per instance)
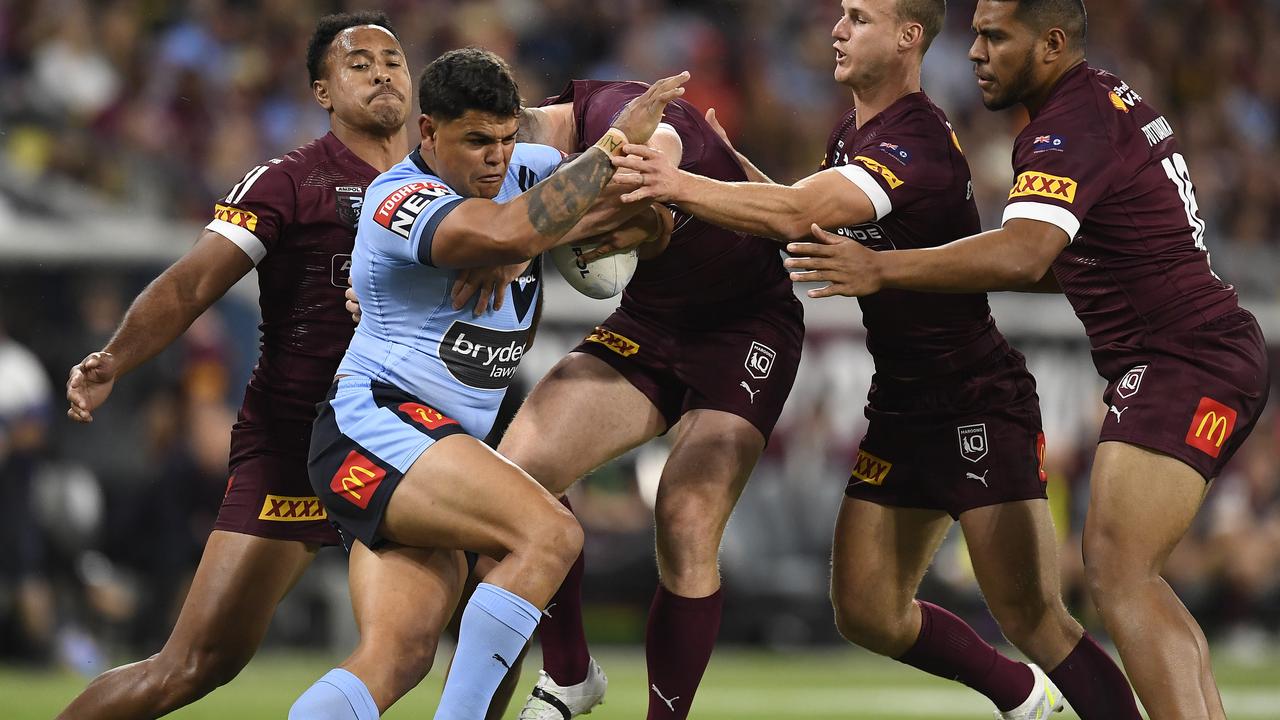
(550, 701)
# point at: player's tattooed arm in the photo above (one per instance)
(556, 204)
(161, 313)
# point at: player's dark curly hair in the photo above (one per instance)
(468, 79)
(329, 27)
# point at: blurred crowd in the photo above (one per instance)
(149, 107)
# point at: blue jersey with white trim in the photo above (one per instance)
(409, 334)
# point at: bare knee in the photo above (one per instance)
(1022, 619)
(874, 625)
(188, 676)
(555, 536)
(393, 664)
(1113, 571)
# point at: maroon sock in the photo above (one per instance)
(678, 643)
(949, 648)
(565, 656)
(1094, 685)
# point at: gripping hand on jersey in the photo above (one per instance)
(89, 385)
(489, 282)
(848, 268)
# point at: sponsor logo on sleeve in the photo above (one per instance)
(973, 441)
(760, 360)
(283, 508)
(402, 207)
(235, 216)
(1210, 427)
(624, 346)
(357, 479)
(1123, 97)
(1131, 383)
(881, 170)
(1044, 185)
(870, 469)
(895, 151)
(1048, 143)
(426, 416)
(482, 357)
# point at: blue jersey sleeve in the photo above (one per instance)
(532, 163)
(410, 214)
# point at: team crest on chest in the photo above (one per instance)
(350, 200)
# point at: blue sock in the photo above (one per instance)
(338, 695)
(495, 628)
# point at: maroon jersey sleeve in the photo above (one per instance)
(1063, 165)
(905, 165)
(256, 210)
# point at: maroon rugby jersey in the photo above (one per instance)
(705, 265)
(1103, 165)
(909, 163)
(295, 216)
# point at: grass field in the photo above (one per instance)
(844, 684)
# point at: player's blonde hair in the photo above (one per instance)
(929, 13)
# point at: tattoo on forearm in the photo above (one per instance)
(557, 204)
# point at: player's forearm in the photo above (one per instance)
(986, 262)
(539, 219)
(777, 211)
(159, 315)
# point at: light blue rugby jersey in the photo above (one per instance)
(409, 335)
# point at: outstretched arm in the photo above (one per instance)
(754, 174)
(162, 312)
(1014, 257)
(827, 198)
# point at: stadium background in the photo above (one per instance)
(120, 121)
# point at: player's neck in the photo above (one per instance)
(1036, 100)
(870, 102)
(380, 151)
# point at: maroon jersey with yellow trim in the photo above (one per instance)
(705, 264)
(295, 216)
(1103, 165)
(909, 163)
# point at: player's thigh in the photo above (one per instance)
(238, 583)
(459, 493)
(582, 414)
(710, 462)
(404, 595)
(880, 553)
(1014, 549)
(1141, 503)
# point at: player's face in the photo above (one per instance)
(366, 82)
(865, 41)
(471, 153)
(1002, 54)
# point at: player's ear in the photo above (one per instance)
(320, 89)
(910, 36)
(427, 129)
(1055, 45)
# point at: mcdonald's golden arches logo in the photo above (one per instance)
(357, 479)
(1211, 426)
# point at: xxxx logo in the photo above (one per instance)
(235, 216)
(624, 346)
(1050, 186)
(357, 479)
(870, 469)
(282, 508)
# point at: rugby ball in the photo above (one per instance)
(600, 279)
